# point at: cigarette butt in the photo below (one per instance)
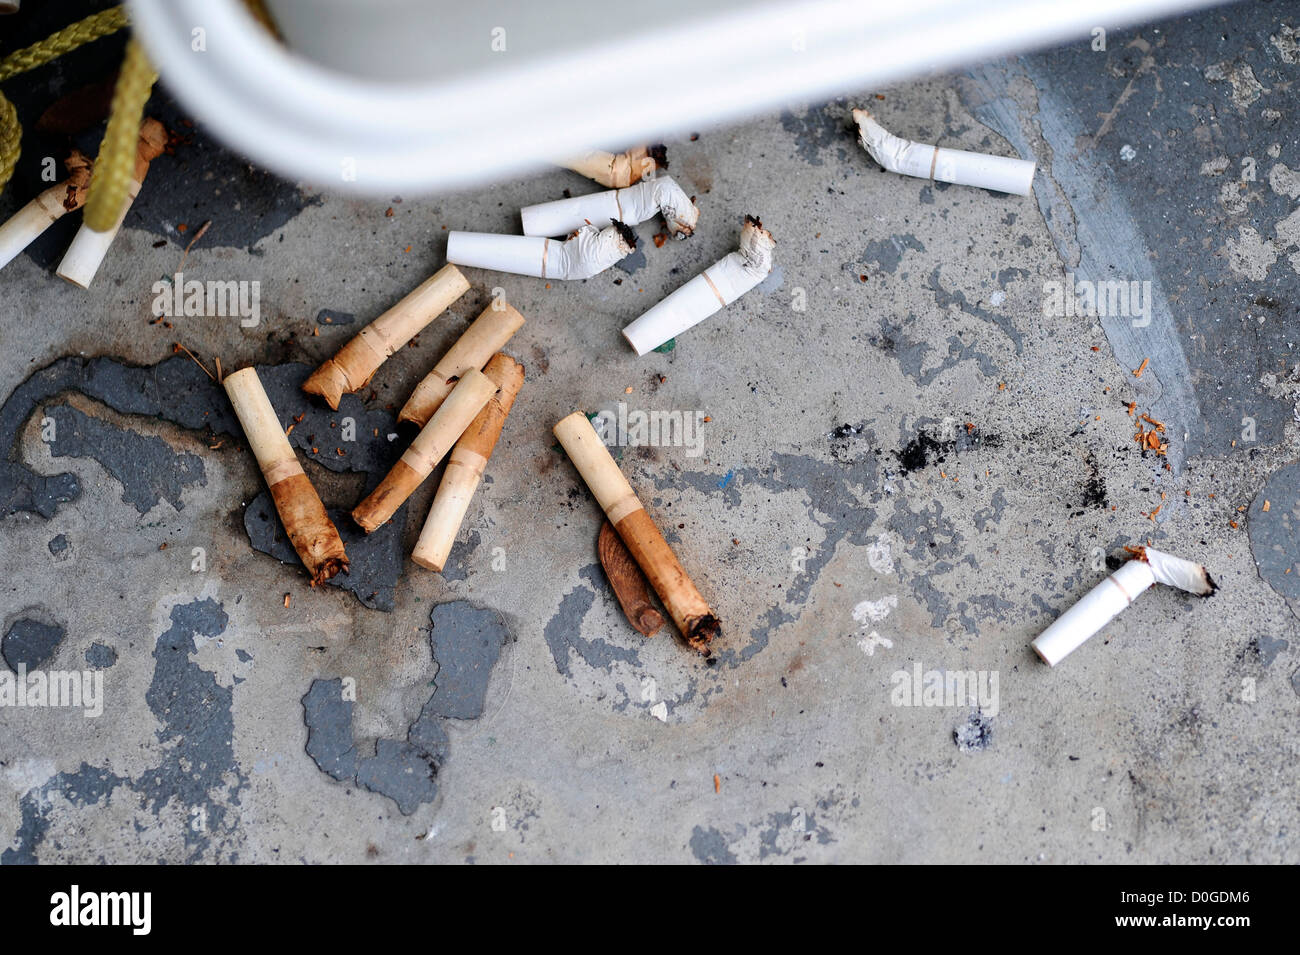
(309, 528)
(1101, 604)
(29, 222)
(688, 609)
(926, 161)
(358, 360)
(1137, 372)
(465, 467)
(715, 288)
(88, 248)
(429, 447)
(628, 582)
(618, 170)
(486, 336)
(717, 783)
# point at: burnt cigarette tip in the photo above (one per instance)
(755, 221)
(625, 232)
(329, 569)
(659, 153)
(703, 630)
(1212, 586)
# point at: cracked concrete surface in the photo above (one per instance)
(906, 461)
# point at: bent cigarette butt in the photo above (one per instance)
(358, 360)
(1101, 604)
(310, 530)
(619, 170)
(628, 582)
(54, 203)
(688, 609)
(633, 205)
(713, 289)
(88, 248)
(486, 336)
(588, 252)
(465, 467)
(895, 154)
(429, 447)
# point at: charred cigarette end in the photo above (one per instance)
(703, 631)
(659, 153)
(79, 168)
(1174, 571)
(625, 233)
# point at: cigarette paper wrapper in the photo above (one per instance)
(466, 465)
(305, 521)
(895, 154)
(588, 253)
(633, 205)
(358, 360)
(429, 447)
(1097, 608)
(486, 336)
(690, 612)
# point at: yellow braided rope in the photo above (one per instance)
(63, 41)
(38, 54)
(115, 165)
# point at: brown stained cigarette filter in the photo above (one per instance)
(619, 170)
(310, 530)
(358, 360)
(627, 581)
(429, 447)
(466, 464)
(485, 337)
(688, 609)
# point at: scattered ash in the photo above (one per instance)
(976, 733)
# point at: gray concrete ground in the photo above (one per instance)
(906, 465)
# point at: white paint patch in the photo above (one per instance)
(1216, 166)
(1127, 153)
(880, 555)
(874, 611)
(1245, 87)
(1284, 181)
(872, 640)
(1287, 42)
(997, 298)
(1250, 254)
(660, 711)
(24, 775)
